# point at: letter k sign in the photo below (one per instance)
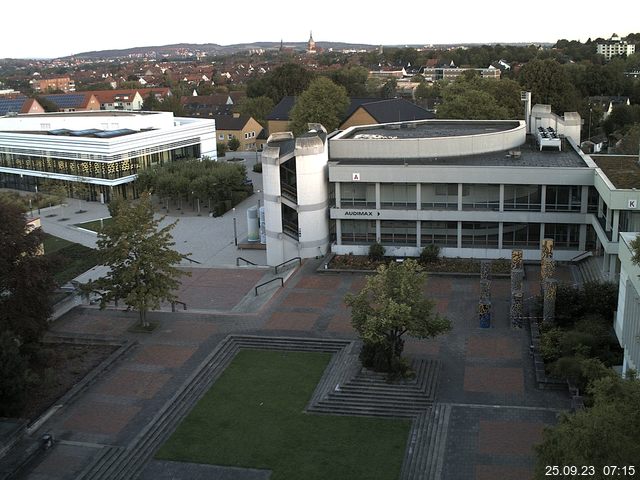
(633, 204)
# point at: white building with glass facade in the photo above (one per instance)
(102, 149)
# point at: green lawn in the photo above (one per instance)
(69, 259)
(253, 417)
(95, 225)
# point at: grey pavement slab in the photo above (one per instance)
(166, 470)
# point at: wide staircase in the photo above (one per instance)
(590, 269)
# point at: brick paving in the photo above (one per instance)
(494, 380)
(487, 377)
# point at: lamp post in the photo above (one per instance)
(590, 110)
(235, 229)
(258, 192)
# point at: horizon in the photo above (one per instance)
(492, 22)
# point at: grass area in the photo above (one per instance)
(253, 417)
(69, 259)
(95, 225)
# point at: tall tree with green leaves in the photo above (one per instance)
(141, 259)
(603, 435)
(390, 305)
(26, 282)
(549, 84)
(257, 107)
(323, 102)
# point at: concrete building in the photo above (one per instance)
(451, 73)
(65, 84)
(103, 149)
(627, 317)
(614, 47)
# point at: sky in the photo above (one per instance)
(46, 29)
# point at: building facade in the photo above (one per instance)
(614, 47)
(105, 150)
(65, 84)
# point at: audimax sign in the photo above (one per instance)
(361, 213)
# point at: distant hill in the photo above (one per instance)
(213, 48)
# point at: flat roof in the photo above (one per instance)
(90, 113)
(622, 170)
(432, 129)
(530, 156)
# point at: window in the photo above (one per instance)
(398, 195)
(563, 198)
(221, 136)
(358, 232)
(398, 232)
(358, 194)
(564, 236)
(522, 197)
(439, 196)
(480, 235)
(230, 136)
(523, 235)
(480, 197)
(444, 234)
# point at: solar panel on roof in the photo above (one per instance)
(70, 100)
(59, 131)
(84, 133)
(11, 105)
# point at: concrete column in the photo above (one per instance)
(459, 197)
(543, 200)
(500, 231)
(584, 199)
(459, 234)
(607, 223)
(338, 194)
(541, 234)
(378, 199)
(418, 196)
(605, 263)
(501, 205)
(615, 225)
(613, 265)
(582, 240)
(378, 233)
(418, 239)
(338, 232)
(600, 203)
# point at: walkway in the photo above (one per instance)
(494, 413)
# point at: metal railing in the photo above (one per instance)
(288, 261)
(249, 262)
(267, 283)
(191, 260)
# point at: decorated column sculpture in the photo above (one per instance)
(484, 306)
(517, 277)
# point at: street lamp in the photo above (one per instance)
(258, 192)
(235, 229)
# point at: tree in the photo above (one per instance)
(549, 84)
(323, 102)
(289, 79)
(475, 98)
(603, 435)
(221, 148)
(233, 144)
(47, 104)
(141, 260)
(389, 89)
(257, 107)
(26, 281)
(390, 305)
(353, 79)
(150, 103)
(630, 143)
(13, 374)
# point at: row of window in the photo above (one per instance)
(230, 136)
(444, 196)
(473, 234)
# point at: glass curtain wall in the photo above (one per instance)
(357, 232)
(480, 234)
(522, 197)
(480, 197)
(398, 232)
(444, 234)
(358, 194)
(521, 235)
(398, 195)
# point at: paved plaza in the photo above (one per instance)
(497, 413)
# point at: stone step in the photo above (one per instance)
(379, 391)
(105, 460)
(363, 412)
(398, 401)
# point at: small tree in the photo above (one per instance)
(221, 148)
(323, 102)
(141, 260)
(390, 305)
(233, 144)
(430, 254)
(376, 252)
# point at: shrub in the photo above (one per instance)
(430, 254)
(221, 148)
(233, 144)
(376, 252)
(257, 168)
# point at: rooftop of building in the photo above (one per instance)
(90, 113)
(430, 129)
(527, 155)
(622, 170)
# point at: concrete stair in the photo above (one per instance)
(590, 270)
(117, 463)
(371, 394)
(424, 456)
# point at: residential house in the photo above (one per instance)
(73, 102)
(614, 47)
(244, 128)
(65, 84)
(19, 105)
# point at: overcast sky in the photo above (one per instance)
(52, 29)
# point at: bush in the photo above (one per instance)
(221, 147)
(233, 144)
(13, 375)
(375, 356)
(257, 168)
(376, 252)
(430, 254)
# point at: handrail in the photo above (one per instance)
(185, 257)
(287, 261)
(244, 260)
(266, 283)
(582, 256)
